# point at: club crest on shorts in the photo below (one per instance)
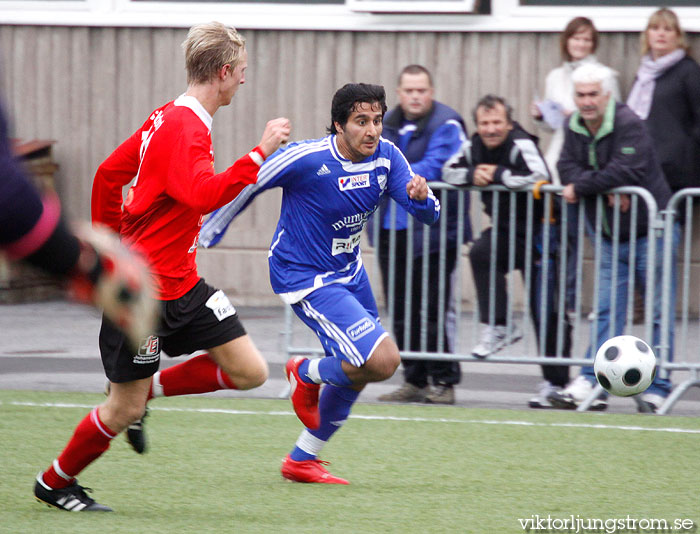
(149, 351)
(360, 328)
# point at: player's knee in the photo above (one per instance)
(255, 375)
(119, 415)
(385, 360)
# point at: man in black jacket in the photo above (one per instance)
(428, 133)
(503, 153)
(607, 146)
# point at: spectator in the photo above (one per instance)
(502, 152)
(666, 95)
(427, 132)
(577, 43)
(607, 146)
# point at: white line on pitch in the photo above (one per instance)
(382, 418)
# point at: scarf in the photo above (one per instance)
(642, 91)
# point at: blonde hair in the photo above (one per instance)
(208, 47)
(663, 16)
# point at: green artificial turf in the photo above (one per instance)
(213, 466)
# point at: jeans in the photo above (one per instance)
(662, 384)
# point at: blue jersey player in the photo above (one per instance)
(330, 188)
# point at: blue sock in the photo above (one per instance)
(334, 406)
(328, 370)
(331, 371)
(303, 372)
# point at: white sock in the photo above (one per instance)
(309, 444)
(312, 371)
(156, 388)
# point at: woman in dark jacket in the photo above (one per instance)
(666, 94)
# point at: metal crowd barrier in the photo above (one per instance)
(466, 325)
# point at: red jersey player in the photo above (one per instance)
(171, 159)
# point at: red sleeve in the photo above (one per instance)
(114, 173)
(191, 178)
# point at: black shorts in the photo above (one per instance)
(199, 320)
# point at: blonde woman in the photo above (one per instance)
(666, 94)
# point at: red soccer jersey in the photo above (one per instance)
(172, 158)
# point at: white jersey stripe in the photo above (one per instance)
(221, 219)
(290, 156)
(274, 244)
(218, 222)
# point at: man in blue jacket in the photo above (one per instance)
(608, 146)
(428, 133)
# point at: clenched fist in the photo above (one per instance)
(417, 188)
(276, 133)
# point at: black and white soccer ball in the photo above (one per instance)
(625, 365)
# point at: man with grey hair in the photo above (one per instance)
(170, 160)
(608, 146)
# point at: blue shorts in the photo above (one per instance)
(345, 319)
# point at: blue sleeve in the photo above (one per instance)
(273, 173)
(426, 211)
(444, 142)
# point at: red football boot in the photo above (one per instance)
(309, 471)
(304, 396)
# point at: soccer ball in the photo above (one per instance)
(625, 365)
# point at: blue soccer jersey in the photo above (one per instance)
(326, 202)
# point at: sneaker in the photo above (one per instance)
(653, 401)
(309, 471)
(442, 394)
(135, 433)
(136, 436)
(494, 338)
(72, 498)
(574, 394)
(304, 396)
(540, 400)
(406, 393)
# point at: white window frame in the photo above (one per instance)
(505, 16)
(403, 6)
